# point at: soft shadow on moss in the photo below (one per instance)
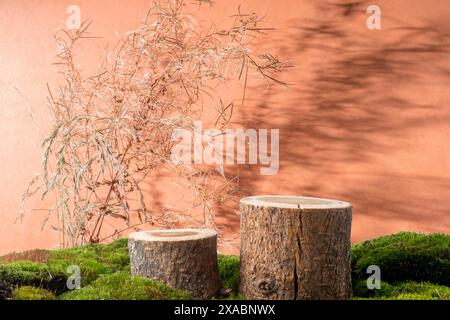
(229, 271)
(25, 273)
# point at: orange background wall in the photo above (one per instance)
(366, 119)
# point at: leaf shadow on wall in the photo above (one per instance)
(355, 101)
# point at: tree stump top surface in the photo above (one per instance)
(173, 235)
(294, 202)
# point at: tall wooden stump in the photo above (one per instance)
(182, 258)
(295, 248)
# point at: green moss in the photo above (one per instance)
(408, 290)
(412, 296)
(229, 271)
(413, 266)
(404, 256)
(93, 260)
(121, 286)
(360, 290)
(32, 293)
(424, 289)
(112, 256)
(25, 273)
(6, 290)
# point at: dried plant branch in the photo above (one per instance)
(112, 130)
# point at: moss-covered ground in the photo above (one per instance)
(413, 266)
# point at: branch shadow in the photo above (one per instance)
(356, 98)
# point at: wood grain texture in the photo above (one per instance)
(294, 251)
(185, 259)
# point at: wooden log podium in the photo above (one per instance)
(183, 258)
(295, 248)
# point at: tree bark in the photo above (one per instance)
(295, 248)
(184, 258)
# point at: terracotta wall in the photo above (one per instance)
(366, 119)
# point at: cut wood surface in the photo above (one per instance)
(183, 258)
(295, 247)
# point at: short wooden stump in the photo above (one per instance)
(181, 258)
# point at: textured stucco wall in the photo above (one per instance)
(366, 120)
